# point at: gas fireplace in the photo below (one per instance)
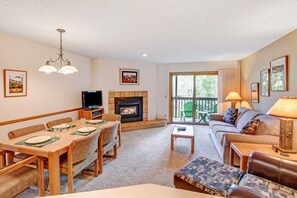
(130, 108)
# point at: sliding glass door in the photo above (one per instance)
(192, 97)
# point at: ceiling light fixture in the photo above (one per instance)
(63, 64)
(144, 55)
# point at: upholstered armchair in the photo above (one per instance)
(81, 153)
(267, 176)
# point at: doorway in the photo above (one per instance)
(192, 97)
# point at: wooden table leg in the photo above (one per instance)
(243, 163)
(231, 156)
(100, 152)
(54, 173)
(10, 155)
(172, 142)
(193, 144)
(2, 160)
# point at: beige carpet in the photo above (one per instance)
(145, 157)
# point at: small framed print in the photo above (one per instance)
(279, 74)
(129, 76)
(15, 83)
(255, 92)
(265, 82)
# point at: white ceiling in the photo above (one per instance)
(167, 30)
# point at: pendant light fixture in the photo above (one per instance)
(64, 65)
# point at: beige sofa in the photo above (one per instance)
(223, 133)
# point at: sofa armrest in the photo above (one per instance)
(257, 139)
(273, 168)
(239, 192)
(216, 116)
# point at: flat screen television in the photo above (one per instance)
(91, 99)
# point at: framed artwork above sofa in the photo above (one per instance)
(255, 92)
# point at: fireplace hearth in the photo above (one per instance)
(130, 108)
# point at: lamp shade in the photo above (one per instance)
(285, 107)
(47, 68)
(233, 96)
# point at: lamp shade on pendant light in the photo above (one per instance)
(47, 68)
(68, 69)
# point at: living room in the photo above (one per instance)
(238, 40)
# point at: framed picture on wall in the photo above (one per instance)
(265, 82)
(129, 76)
(255, 92)
(279, 74)
(15, 83)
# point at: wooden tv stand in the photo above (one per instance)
(91, 114)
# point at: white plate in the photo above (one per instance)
(87, 129)
(38, 139)
(60, 126)
(95, 121)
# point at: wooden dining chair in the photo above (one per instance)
(59, 121)
(108, 142)
(21, 132)
(81, 153)
(18, 177)
(25, 131)
(114, 117)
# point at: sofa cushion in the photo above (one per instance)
(266, 187)
(213, 123)
(251, 127)
(241, 111)
(230, 115)
(269, 125)
(246, 117)
(210, 176)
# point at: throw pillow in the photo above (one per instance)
(251, 127)
(230, 115)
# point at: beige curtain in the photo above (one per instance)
(227, 83)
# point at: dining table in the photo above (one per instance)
(51, 151)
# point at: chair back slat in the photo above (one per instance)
(111, 117)
(25, 131)
(59, 121)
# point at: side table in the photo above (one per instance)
(243, 150)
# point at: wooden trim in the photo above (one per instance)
(169, 98)
(195, 73)
(37, 116)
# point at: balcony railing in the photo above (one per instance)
(181, 108)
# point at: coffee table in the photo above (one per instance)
(243, 150)
(188, 133)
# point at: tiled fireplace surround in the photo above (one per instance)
(114, 94)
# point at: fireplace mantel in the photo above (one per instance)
(114, 94)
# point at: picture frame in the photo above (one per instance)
(265, 82)
(279, 74)
(255, 92)
(15, 83)
(129, 76)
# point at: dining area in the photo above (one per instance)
(61, 147)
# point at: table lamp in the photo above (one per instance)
(233, 96)
(286, 108)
